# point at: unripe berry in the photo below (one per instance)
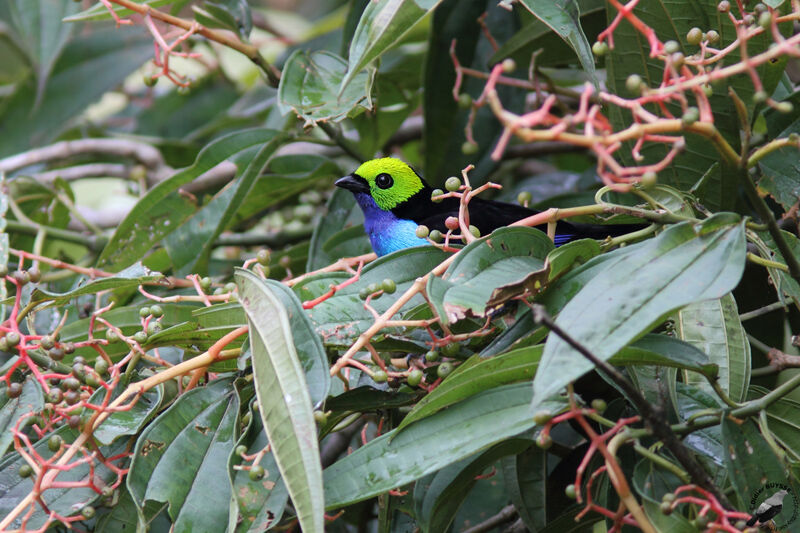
(436, 236)
(724, 6)
(475, 231)
(690, 116)
(14, 390)
(263, 257)
(469, 148)
(388, 286)
(524, 198)
(670, 47)
(694, 36)
(144, 311)
(256, 472)
(464, 101)
(544, 441)
(435, 193)
(712, 36)
(431, 356)
(451, 223)
(414, 378)
(634, 84)
(542, 417)
(509, 65)
(571, 492)
(444, 370)
(379, 376)
(599, 49)
(422, 231)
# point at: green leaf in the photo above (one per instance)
(127, 422)
(310, 85)
(652, 482)
(502, 258)
(563, 17)
(125, 515)
(707, 441)
(100, 12)
(783, 282)
(283, 398)
(752, 464)
(261, 503)
(106, 57)
(438, 498)
(30, 401)
(713, 326)
(783, 419)
(190, 244)
(342, 318)
(686, 263)
(442, 439)
(525, 476)
(383, 23)
(162, 209)
(133, 276)
(182, 456)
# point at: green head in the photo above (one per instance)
(389, 181)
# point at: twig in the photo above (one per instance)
(506, 514)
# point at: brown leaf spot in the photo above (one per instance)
(202, 429)
(150, 445)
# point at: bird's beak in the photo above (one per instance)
(353, 183)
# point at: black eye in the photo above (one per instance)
(384, 181)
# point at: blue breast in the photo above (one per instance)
(386, 232)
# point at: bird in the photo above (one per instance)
(768, 509)
(396, 200)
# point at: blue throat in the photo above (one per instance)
(386, 232)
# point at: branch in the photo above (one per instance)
(654, 418)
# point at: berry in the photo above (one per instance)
(25, 471)
(712, 36)
(263, 257)
(452, 184)
(320, 417)
(68, 347)
(599, 405)
(649, 179)
(71, 383)
(469, 148)
(694, 36)
(88, 512)
(599, 49)
(666, 508)
(144, 312)
(422, 231)
(669, 497)
(435, 193)
(765, 21)
(451, 223)
(153, 327)
(14, 390)
(230, 287)
(35, 275)
(759, 97)
(444, 370)
(21, 277)
(542, 417)
(74, 421)
(140, 337)
(634, 84)
(784, 107)
(363, 293)
(544, 440)
(524, 198)
(379, 376)
(150, 81)
(436, 236)
(55, 395)
(677, 59)
(47, 342)
(54, 443)
(451, 350)
(205, 283)
(241, 450)
(388, 286)
(414, 377)
(670, 47)
(464, 101)
(57, 354)
(690, 116)
(431, 356)
(72, 397)
(724, 6)
(112, 335)
(101, 366)
(372, 288)
(571, 492)
(509, 65)
(256, 472)
(475, 231)
(13, 338)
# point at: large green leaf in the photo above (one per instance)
(30, 401)
(382, 24)
(781, 170)
(128, 421)
(182, 456)
(652, 482)
(686, 263)
(310, 87)
(190, 244)
(162, 209)
(506, 256)
(713, 326)
(525, 477)
(563, 17)
(283, 398)
(783, 420)
(442, 439)
(106, 57)
(133, 276)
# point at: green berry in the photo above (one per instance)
(444, 370)
(78, 369)
(694, 36)
(435, 193)
(784, 107)
(712, 36)
(666, 508)
(320, 417)
(69, 347)
(111, 335)
(14, 390)
(57, 354)
(740, 525)
(101, 366)
(364, 293)
(544, 440)
(72, 397)
(475, 231)
(230, 287)
(599, 49)
(13, 338)
(599, 405)
(140, 337)
(524, 198)
(240, 450)
(464, 101)
(451, 350)
(3, 270)
(35, 275)
(21, 277)
(469, 148)
(47, 342)
(144, 311)
(724, 6)
(634, 84)
(690, 116)
(88, 512)
(54, 443)
(25, 471)
(452, 184)
(379, 376)
(263, 257)
(205, 283)
(649, 179)
(436, 236)
(542, 417)
(701, 522)
(669, 497)
(388, 286)
(422, 231)
(55, 395)
(414, 377)
(256, 472)
(509, 65)
(670, 47)
(432, 356)
(372, 288)
(71, 383)
(677, 59)
(79, 359)
(150, 81)
(571, 492)
(765, 20)
(153, 327)
(92, 381)
(749, 20)
(759, 97)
